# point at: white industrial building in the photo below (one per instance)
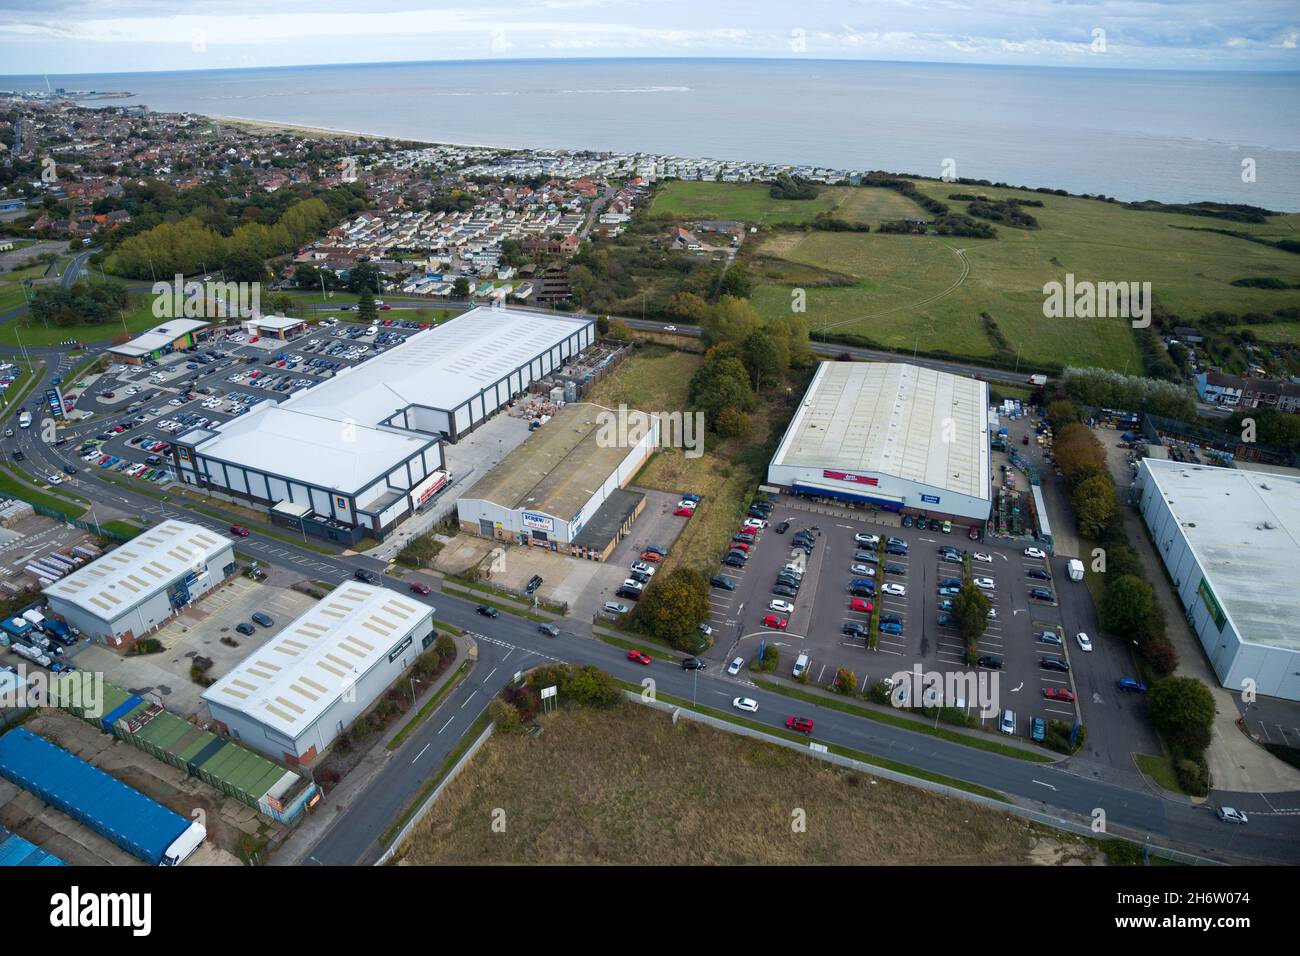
(897, 436)
(294, 695)
(133, 589)
(159, 341)
(1230, 540)
(563, 489)
(361, 450)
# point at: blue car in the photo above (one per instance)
(891, 628)
(1038, 729)
(688, 497)
(896, 549)
(1131, 684)
(866, 583)
(949, 592)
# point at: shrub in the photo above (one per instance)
(1160, 655)
(768, 661)
(846, 682)
(150, 645)
(879, 692)
(504, 715)
(1193, 776)
(445, 646)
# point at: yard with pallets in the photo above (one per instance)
(627, 786)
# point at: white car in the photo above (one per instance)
(615, 608)
(1035, 553)
(704, 628)
(785, 607)
(1229, 815)
(986, 584)
(1085, 642)
(983, 556)
(871, 539)
(747, 704)
(758, 523)
(993, 614)
(54, 480)
(895, 589)
(866, 570)
(734, 667)
(175, 402)
(644, 567)
(670, 328)
(688, 505)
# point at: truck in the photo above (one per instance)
(16, 627)
(120, 813)
(1037, 380)
(24, 419)
(1074, 568)
(60, 631)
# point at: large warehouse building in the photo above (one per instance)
(1230, 540)
(563, 489)
(140, 585)
(291, 697)
(897, 436)
(361, 450)
(159, 341)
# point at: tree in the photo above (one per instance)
(1126, 607)
(971, 609)
(736, 282)
(720, 384)
(460, 288)
(731, 320)
(1182, 710)
(1078, 453)
(732, 423)
(367, 312)
(1062, 412)
(1094, 503)
(765, 361)
(618, 329)
(673, 608)
(846, 682)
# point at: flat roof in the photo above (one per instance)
(293, 679)
(325, 452)
(136, 570)
(273, 321)
(1244, 529)
(159, 337)
(604, 525)
(561, 465)
(329, 435)
(909, 422)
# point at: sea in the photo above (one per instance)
(1130, 134)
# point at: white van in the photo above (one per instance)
(800, 665)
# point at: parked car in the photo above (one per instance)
(855, 629)
(1059, 693)
(784, 590)
(983, 556)
(613, 607)
(1041, 594)
(984, 584)
(785, 607)
(243, 627)
(891, 628)
(1038, 730)
(1007, 723)
(991, 661)
(1035, 553)
(683, 512)
(771, 620)
(1054, 664)
(860, 606)
(867, 539)
(262, 618)
(705, 628)
(897, 590)
(533, 584)
(781, 527)
(1038, 574)
(721, 581)
(1049, 637)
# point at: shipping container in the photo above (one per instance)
(141, 826)
(15, 851)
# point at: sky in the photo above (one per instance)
(61, 37)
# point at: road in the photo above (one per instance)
(510, 643)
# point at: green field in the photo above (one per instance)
(139, 318)
(748, 202)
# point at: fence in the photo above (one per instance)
(1047, 819)
(93, 527)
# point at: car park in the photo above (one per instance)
(747, 704)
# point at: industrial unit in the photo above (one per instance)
(1230, 540)
(15, 851)
(122, 814)
(140, 585)
(896, 436)
(293, 696)
(563, 489)
(159, 341)
(274, 327)
(361, 450)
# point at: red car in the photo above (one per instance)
(802, 724)
(857, 604)
(641, 657)
(239, 531)
(418, 588)
(683, 512)
(777, 622)
(1059, 693)
(650, 556)
(385, 308)
(741, 545)
(973, 534)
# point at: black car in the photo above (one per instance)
(243, 627)
(890, 619)
(656, 549)
(487, 611)
(992, 662)
(870, 557)
(734, 561)
(263, 619)
(550, 630)
(1038, 573)
(784, 590)
(632, 594)
(1040, 594)
(693, 664)
(854, 629)
(369, 577)
(762, 506)
(721, 581)
(781, 527)
(897, 549)
(70, 469)
(789, 580)
(862, 592)
(640, 577)
(947, 620)
(804, 536)
(533, 584)
(895, 569)
(19, 456)
(1054, 664)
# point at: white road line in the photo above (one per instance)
(469, 698)
(421, 753)
(446, 725)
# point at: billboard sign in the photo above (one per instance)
(540, 522)
(849, 476)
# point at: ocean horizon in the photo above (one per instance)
(1172, 136)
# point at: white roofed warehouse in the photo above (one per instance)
(1230, 540)
(890, 435)
(139, 586)
(362, 449)
(294, 695)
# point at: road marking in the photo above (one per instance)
(446, 725)
(426, 747)
(1041, 784)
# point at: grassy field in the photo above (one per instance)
(629, 787)
(928, 292)
(656, 379)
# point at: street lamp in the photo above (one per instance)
(414, 681)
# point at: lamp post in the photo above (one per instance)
(414, 681)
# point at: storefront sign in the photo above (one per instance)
(847, 476)
(540, 522)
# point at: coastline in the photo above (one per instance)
(271, 126)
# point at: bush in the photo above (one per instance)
(419, 552)
(504, 715)
(1193, 776)
(580, 684)
(1182, 711)
(445, 646)
(1160, 656)
(846, 682)
(150, 645)
(768, 661)
(1058, 736)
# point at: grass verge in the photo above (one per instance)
(11, 487)
(478, 596)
